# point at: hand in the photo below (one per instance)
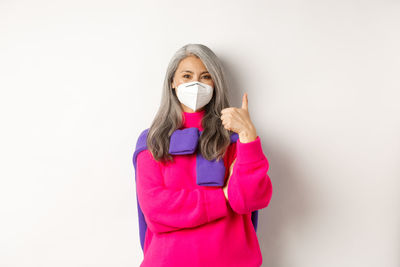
(238, 121)
(225, 188)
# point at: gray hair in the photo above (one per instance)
(214, 139)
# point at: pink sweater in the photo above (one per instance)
(192, 225)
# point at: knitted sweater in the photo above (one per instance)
(192, 225)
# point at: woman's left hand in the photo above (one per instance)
(238, 121)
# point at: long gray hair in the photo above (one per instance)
(214, 139)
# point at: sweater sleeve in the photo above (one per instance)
(249, 187)
(167, 209)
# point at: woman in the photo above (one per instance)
(191, 218)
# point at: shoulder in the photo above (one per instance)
(145, 157)
(141, 145)
(141, 141)
(142, 151)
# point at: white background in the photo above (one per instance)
(81, 79)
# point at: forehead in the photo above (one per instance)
(191, 63)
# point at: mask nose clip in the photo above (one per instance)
(195, 83)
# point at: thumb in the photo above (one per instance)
(245, 102)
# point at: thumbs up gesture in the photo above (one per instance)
(238, 121)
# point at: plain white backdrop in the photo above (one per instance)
(81, 79)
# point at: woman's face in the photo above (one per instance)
(191, 69)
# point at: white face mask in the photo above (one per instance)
(194, 95)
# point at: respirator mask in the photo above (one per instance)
(194, 95)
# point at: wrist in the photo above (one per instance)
(248, 135)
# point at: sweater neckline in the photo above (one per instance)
(193, 119)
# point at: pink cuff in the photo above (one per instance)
(249, 152)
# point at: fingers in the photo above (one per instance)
(225, 110)
(245, 102)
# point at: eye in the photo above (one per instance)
(207, 77)
(186, 76)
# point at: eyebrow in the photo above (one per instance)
(192, 71)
